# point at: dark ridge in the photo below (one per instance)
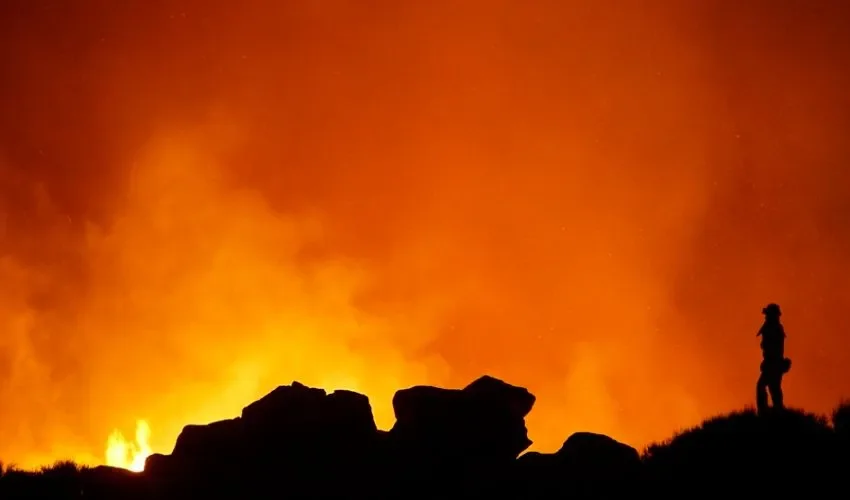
(302, 442)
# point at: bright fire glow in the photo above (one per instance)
(126, 454)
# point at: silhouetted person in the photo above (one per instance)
(774, 363)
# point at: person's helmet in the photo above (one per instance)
(771, 310)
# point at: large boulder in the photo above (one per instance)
(588, 465)
(105, 482)
(211, 442)
(301, 424)
(158, 465)
(596, 456)
(482, 423)
(279, 443)
(297, 412)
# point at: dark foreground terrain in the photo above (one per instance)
(300, 442)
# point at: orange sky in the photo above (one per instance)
(592, 199)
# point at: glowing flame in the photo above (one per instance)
(127, 454)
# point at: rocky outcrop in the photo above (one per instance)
(296, 432)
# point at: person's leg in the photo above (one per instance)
(775, 388)
(761, 394)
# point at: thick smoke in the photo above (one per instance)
(200, 201)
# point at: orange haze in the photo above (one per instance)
(200, 201)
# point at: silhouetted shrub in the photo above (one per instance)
(60, 469)
(737, 448)
(841, 418)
